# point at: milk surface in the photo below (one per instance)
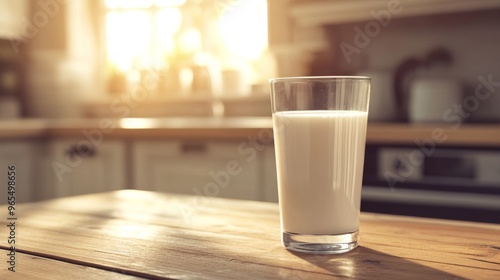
(320, 157)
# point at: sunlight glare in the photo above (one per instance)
(190, 41)
(244, 28)
(134, 123)
(168, 23)
(128, 4)
(128, 37)
(138, 4)
(169, 3)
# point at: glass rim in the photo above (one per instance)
(318, 78)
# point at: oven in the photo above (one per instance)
(452, 183)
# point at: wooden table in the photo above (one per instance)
(135, 234)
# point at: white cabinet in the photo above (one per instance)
(74, 167)
(58, 167)
(22, 155)
(218, 169)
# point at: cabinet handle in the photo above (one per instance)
(81, 150)
(193, 148)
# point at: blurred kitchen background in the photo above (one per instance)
(184, 84)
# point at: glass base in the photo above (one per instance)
(320, 243)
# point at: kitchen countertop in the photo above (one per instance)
(207, 128)
(240, 128)
(132, 234)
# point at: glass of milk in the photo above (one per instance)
(320, 132)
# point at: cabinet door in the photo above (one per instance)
(22, 155)
(77, 167)
(196, 168)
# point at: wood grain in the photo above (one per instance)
(160, 236)
(37, 267)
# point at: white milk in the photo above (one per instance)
(320, 157)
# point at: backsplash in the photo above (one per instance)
(472, 39)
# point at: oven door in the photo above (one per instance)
(461, 184)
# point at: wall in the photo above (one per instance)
(473, 38)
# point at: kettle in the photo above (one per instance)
(424, 89)
(431, 97)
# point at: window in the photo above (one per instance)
(162, 34)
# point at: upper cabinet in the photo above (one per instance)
(13, 16)
(325, 12)
(302, 32)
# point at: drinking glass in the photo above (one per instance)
(319, 134)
